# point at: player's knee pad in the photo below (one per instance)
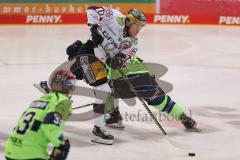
(98, 108)
(163, 103)
(169, 105)
(144, 85)
(155, 100)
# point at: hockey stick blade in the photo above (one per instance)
(82, 106)
(39, 88)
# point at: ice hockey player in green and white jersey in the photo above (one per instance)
(114, 43)
(42, 123)
(115, 33)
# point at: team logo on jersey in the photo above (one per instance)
(108, 12)
(112, 44)
(17, 141)
(133, 51)
(125, 44)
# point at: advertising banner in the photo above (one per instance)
(152, 19)
(213, 12)
(201, 7)
(224, 12)
(70, 6)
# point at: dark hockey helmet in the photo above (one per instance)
(137, 17)
(62, 81)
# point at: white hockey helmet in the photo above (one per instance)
(62, 81)
(137, 17)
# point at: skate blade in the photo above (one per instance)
(96, 139)
(116, 125)
(198, 130)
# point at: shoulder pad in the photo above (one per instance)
(39, 104)
(99, 15)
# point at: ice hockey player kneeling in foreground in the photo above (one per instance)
(42, 123)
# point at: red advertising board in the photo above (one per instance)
(223, 12)
(193, 19)
(217, 12)
(152, 19)
(43, 19)
(201, 7)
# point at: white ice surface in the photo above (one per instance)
(203, 65)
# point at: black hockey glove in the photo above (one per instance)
(61, 152)
(118, 61)
(96, 37)
(72, 49)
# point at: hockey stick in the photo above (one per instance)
(175, 144)
(82, 106)
(39, 88)
(140, 99)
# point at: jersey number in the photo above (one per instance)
(26, 121)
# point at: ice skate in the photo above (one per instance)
(189, 123)
(101, 136)
(115, 119)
